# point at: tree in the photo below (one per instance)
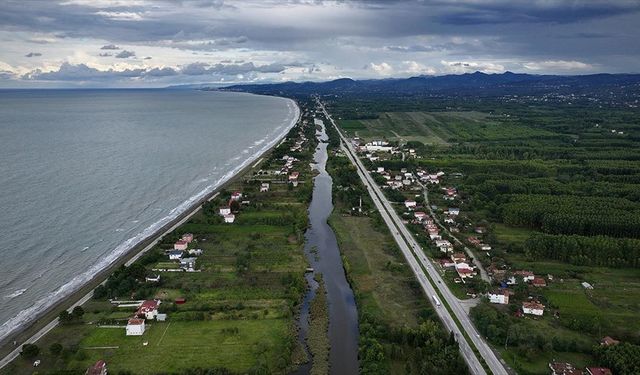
(65, 317)
(30, 351)
(77, 312)
(55, 349)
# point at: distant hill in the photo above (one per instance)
(470, 83)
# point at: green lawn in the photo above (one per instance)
(173, 346)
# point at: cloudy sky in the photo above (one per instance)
(145, 43)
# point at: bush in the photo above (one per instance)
(30, 351)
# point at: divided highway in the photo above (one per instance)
(431, 280)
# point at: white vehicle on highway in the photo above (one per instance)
(436, 300)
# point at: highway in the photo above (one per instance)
(419, 263)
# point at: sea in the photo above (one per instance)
(87, 174)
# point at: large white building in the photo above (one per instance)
(135, 327)
(500, 297)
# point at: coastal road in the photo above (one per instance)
(419, 263)
(476, 262)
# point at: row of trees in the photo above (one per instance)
(574, 215)
(584, 251)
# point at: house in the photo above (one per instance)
(563, 368)
(152, 279)
(533, 308)
(464, 272)
(538, 282)
(449, 220)
(187, 237)
(99, 368)
(410, 204)
(161, 317)
(225, 210)
(608, 341)
(236, 196)
(264, 187)
(230, 218)
(458, 257)
(526, 275)
(454, 211)
(473, 240)
(419, 215)
(586, 285)
(446, 263)
(380, 169)
(148, 309)
(188, 263)
(485, 247)
(500, 297)
(135, 327)
(599, 371)
(196, 252)
(175, 254)
(294, 176)
(180, 245)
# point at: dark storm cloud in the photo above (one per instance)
(110, 47)
(82, 72)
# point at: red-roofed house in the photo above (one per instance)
(148, 309)
(188, 237)
(236, 196)
(533, 308)
(135, 327)
(180, 245)
(608, 341)
(410, 204)
(419, 215)
(526, 275)
(538, 282)
(99, 368)
(599, 371)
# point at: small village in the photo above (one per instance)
(457, 244)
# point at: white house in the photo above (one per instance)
(526, 275)
(196, 252)
(419, 215)
(225, 210)
(410, 204)
(380, 169)
(188, 263)
(152, 279)
(485, 247)
(454, 211)
(175, 254)
(533, 308)
(264, 187)
(135, 327)
(500, 297)
(236, 195)
(230, 218)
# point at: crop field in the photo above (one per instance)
(441, 128)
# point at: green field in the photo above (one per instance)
(172, 346)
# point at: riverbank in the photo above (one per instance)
(46, 320)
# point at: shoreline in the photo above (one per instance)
(45, 321)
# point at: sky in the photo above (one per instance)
(145, 43)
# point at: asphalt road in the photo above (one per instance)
(419, 263)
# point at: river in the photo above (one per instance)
(321, 249)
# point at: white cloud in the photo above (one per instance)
(414, 67)
(382, 68)
(120, 16)
(459, 67)
(556, 65)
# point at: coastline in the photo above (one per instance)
(47, 320)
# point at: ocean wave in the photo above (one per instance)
(15, 293)
(27, 315)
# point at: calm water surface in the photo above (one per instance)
(86, 174)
